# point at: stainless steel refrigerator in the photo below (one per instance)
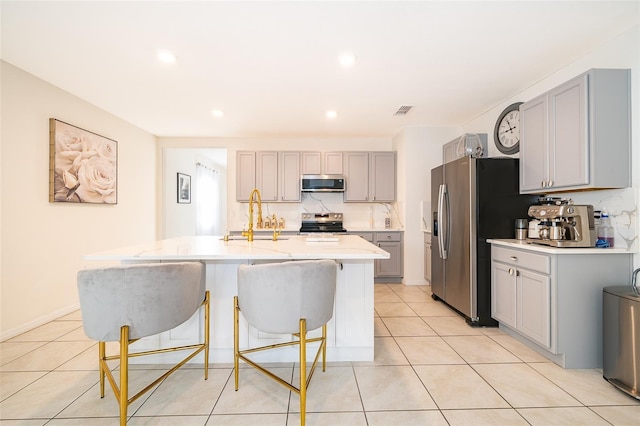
(472, 199)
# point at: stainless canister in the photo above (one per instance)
(522, 229)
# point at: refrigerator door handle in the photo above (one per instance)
(444, 226)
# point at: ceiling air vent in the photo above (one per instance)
(403, 110)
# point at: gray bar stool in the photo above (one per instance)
(286, 298)
(126, 303)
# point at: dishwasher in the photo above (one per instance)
(621, 336)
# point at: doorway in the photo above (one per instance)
(204, 211)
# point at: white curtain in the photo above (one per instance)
(207, 200)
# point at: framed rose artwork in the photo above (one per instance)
(83, 166)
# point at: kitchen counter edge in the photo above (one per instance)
(525, 245)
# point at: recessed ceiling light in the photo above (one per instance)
(347, 59)
(217, 113)
(166, 56)
(331, 114)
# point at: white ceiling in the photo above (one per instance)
(272, 66)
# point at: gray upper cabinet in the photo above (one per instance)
(382, 176)
(275, 174)
(356, 172)
(245, 174)
(289, 176)
(267, 175)
(577, 136)
(311, 163)
(333, 163)
(370, 176)
(321, 163)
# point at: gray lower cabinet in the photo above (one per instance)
(390, 241)
(553, 302)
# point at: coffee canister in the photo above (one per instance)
(522, 229)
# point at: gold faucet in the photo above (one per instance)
(253, 197)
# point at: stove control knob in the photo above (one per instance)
(569, 210)
(543, 212)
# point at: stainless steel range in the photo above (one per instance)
(322, 222)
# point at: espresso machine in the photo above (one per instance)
(563, 224)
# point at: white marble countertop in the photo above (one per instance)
(342, 247)
(524, 245)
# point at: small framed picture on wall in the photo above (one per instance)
(184, 188)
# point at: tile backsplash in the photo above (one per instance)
(623, 211)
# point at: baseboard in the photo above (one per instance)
(8, 334)
(415, 282)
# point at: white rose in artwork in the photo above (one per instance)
(68, 148)
(70, 181)
(105, 149)
(97, 178)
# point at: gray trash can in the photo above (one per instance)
(621, 338)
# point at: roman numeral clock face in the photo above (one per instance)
(507, 130)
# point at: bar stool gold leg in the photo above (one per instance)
(324, 347)
(303, 370)
(124, 374)
(102, 355)
(236, 340)
(207, 304)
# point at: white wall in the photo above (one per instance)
(622, 52)
(42, 243)
(419, 150)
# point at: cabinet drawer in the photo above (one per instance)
(387, 236)
(366, 235)
(533, 261)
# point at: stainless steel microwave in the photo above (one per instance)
(323, 183)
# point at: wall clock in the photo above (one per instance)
(506, 134)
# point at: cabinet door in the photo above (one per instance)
(289, 171)
(267, 179)
(568, 145)
(503, 293)
(333, 163)
(245, 174)
(391, 267)
(312, 163)
(533, 145)
(534, 307)
(356, 170)
(382, 176)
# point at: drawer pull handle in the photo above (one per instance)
(515, 259)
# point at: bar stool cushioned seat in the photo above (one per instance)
(286, 298)
(125, 303)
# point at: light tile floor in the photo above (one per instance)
(430, 368)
